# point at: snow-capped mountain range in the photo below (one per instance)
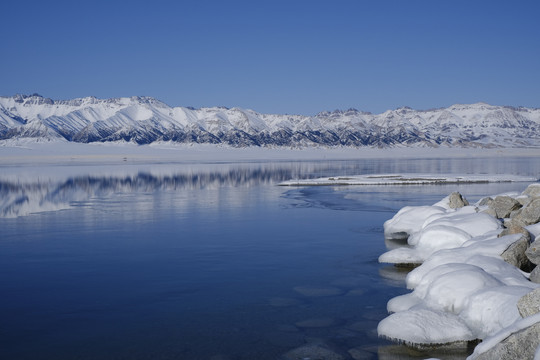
(145, 120)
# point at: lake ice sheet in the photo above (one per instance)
(196, 262)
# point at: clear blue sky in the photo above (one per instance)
(276, 56)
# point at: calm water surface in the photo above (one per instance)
(212, 261)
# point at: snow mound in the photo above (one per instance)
(424, 326)
(470, 252)
(501, 312)
(441, 228)
(475, 224)
(409, 220)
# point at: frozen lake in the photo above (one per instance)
(209, 261)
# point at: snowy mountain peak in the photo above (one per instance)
(144, 120)
(34, 99)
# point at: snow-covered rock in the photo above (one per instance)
(409, 220)
(440, 229)
(425, 326)
(463, 289)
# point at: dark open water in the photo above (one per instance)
(182, 261)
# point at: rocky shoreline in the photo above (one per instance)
(475, 275)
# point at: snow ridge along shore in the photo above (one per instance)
(398, 179)
(476, 278)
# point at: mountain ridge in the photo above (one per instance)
(145, 120)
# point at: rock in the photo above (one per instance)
(312, 352)
(529, 304)
(363, 326)
(504, 205)
(284, 302)
(287, 328)
(533, 252)
(315, 291)
(534, 230)
(515, 213)
(514, 227)
(219, 357)
(489, 211)
(318, 322)
(357, 292)
(535, 275)
(520, 345)
(532, 190)
(513, 220)
(515, 253)
(456, 201)
(400, 352)
(349, 282)
(530, 214)
(361, 354)
(485, 201)
(287, 340)
(524, 200)
(343, 333)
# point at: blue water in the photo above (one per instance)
(201, 262)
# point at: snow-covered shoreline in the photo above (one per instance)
(474, 273)
(21, 152)
(414, 179)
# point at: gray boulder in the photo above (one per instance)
(504, 205)
(530, 214)
(518, 346)
(515, 253)
(513, 226)
(312, 351)
(529, 304)
(456, 201)
(485, 201)
(489, 211)
(532, 190)
(533, 252)
(535, 275)
(524, 200)
(515, 213)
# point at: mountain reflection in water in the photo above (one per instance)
(27, 190)
(20, 199)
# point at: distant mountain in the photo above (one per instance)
(144, 120)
